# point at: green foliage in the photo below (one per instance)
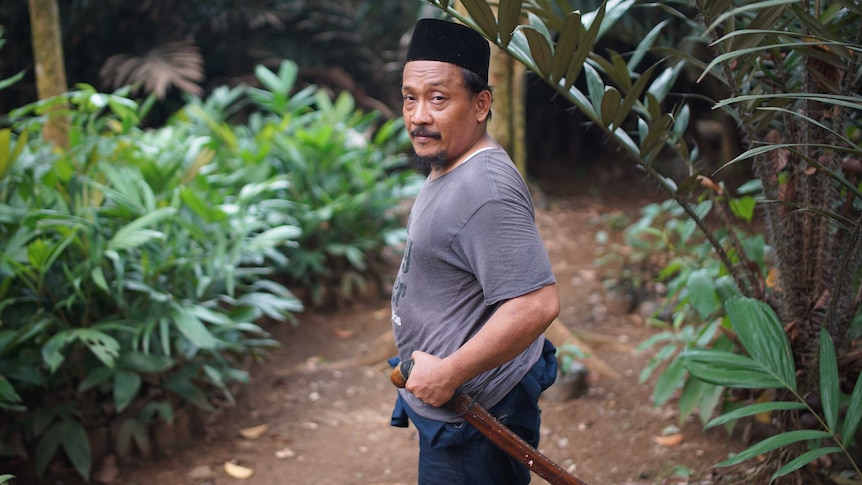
(769, 365)
(342, 187)
(136, 266)
(664, 248)
(568, 355)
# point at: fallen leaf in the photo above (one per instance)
(669, 440)
(254, 432)
(203, 472)
(237, 471)
(285, 453)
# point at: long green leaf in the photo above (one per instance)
(663, 83)
(135, 233)
(143, 362)
(5, 83)
(645, 44)
(595, 87)
(586, 42)
(52, 350)
(828, 379)
(481, 13)
(607, 15)
(47, 447)
(753, 409)
(747, 8)
(825, 98)
(269, 79)
(775, 442)
(509, 15)
(804, 459)
(854, 412)
(701, 293)
(633, 95)
(275, 237)
(77, 448)
(540, 50)
(729, 369)
(668, 382)
(8, 155)
(763, 337)
(610, 105)
(126, 387)
(191, 327)
(188, 391)
(567, 43)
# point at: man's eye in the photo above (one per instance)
(438, 98)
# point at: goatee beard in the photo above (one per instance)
(425, 164)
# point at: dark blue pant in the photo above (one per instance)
(478, 461)
(458, 454)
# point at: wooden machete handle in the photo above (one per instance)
(401, 373)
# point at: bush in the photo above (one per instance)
(136, 266)
(665, 248)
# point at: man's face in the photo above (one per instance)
(443, 118)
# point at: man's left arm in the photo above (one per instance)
(510, 330)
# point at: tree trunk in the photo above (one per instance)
(507, 125)
(50, 68)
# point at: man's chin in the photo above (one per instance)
(426, 163)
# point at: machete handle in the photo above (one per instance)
(401, 373)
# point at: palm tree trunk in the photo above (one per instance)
(50, 68)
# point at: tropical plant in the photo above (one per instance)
(345, 170)
(137, 266)
(792, 72)
(122, 289)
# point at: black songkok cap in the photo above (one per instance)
(440, 40)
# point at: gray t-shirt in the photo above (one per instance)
(472, 244)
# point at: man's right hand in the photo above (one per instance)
(430, 379)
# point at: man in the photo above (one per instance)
(475, 290)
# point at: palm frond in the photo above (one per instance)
(172, 64)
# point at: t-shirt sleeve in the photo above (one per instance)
(503, 247)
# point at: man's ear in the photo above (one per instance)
(482, 102)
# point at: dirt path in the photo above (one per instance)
(331, 426)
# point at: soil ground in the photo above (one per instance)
(329, 426)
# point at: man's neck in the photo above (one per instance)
(483, 142)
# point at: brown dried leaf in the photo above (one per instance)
(708, 183)
(669, 440)
(237, 471)
(254, 432)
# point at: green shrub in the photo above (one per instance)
(135, 266)
(343, 185)
(665, 247)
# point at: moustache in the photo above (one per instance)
(429, 134)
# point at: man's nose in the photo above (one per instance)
(421, 115)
